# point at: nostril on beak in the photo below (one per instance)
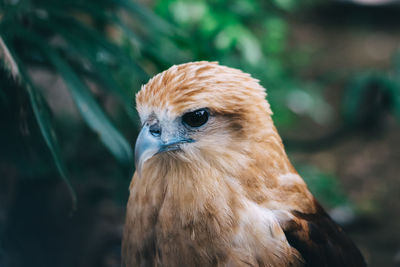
(155, 130)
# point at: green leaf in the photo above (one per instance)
(8, 61)
(91, 112)
(149, 18)
(101, 70)
(42, 116)
(97, 40)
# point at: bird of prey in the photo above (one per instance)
(213, 185)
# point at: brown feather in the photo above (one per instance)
(232, 198)
(320, 241)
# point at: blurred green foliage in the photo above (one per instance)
(370, 94)
(324, 186)
(116, 45)
(252, 36)
(70, 39)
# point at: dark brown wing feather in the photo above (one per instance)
(320, 241)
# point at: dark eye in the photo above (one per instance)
(196, 118)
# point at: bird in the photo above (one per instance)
(213, 184)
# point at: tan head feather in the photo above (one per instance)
(199, 84)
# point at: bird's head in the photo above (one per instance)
(198, 112)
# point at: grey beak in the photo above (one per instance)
(150, 143)
(146, 146)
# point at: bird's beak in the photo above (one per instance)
(149, 144)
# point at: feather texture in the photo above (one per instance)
(231, 198)
(320, 241)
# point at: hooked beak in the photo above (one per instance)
(150, 143)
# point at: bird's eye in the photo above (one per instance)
(196, 118)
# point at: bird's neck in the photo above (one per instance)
(261, 173)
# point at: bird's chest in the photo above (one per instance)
(173, 234)
(207, 233)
